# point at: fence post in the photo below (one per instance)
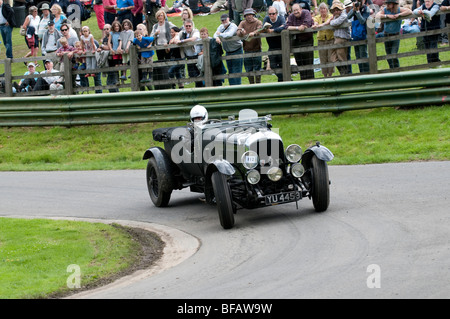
(8, 77)
(372, 46)
(68, 76)
(286, 55)
(207, 69)
(134, 68)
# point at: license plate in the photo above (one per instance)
(280, 198)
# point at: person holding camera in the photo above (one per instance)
(358, 16)
(150, 9)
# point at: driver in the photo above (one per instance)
(199, 115)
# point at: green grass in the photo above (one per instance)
(35, 255)
(355, 137)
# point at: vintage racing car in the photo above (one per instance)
(237, 164)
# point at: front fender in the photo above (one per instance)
(320, 151)
(220, 165)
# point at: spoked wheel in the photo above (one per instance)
(320, 184)
(222, 193)
(155, 183)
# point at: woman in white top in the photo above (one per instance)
(161, 33)
(31, 25)
(45, 18)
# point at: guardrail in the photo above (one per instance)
(324, 95)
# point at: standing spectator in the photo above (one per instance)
(63, 4)
(341, 35)
(150, 9)
(126, 37)
(392, 28)
(99, 13)
(66, 33)
(88, 44)
(239, 6)
(7, 23)
(161, 33)
(324, 38)
(248, 27)
(430, 21)
(299, 20)
(31, 24)
(445, 5)
(174, 54)
(137, 13)
(146, 57)
(115, 45)
(277, 22)
(190, 34)
(123, 8)
(50, 41)
(280, 6)
(109, 7)
(43, 23)
(232, 47)
(359, 14)
(58, 16)
(26, 84)
(215, 53)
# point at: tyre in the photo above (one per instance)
(320, 184)
(157, 184)
(222, 193)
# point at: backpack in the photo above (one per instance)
(359, 31)
(85, 13)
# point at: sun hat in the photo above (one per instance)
(337, 5)
(45, 7)
(249, 11)
(348, 3)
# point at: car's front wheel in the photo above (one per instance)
(155, 183)
(320, 184)
(224, 202)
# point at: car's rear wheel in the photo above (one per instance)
(222, 194)
(156, 185)
(320, 191)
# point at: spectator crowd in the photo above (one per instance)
(144, 23)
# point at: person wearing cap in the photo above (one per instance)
(45, 18)
(43, 83)
(358, 15)
(28, 83)
(249, 27)
(277, 22)
(225, 31)
(341, 35)
(430, 21)
(299, 20)
(392, 27)
(50, 41)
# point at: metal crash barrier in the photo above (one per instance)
(410, 88)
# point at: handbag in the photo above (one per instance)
(23, 31)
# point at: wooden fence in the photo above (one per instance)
(160, 81)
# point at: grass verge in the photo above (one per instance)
(41, 258)
(355, 137)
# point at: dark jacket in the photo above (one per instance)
(8, 13)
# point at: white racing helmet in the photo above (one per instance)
(199, 115)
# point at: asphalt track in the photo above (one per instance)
(386, 234)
